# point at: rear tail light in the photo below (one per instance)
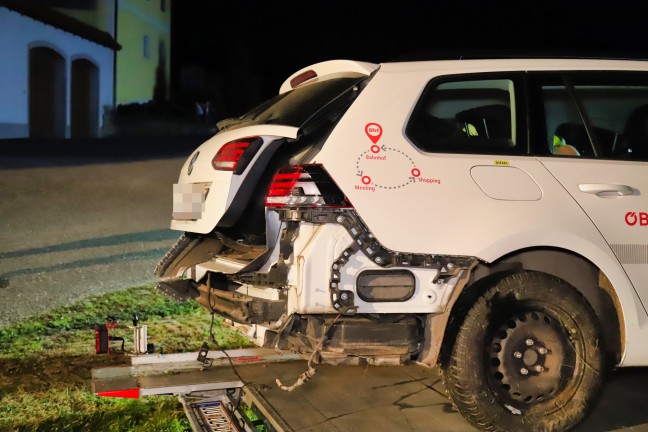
(304, 186)
(236, 155)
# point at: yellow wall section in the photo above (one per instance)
(136, 75)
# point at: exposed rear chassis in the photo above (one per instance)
(217, 291)
(193, 249)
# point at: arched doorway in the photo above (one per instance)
(46, 93)
(84, 100)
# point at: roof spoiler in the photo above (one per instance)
(318, 71)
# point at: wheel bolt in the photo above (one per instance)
(539, 368)
(524, 371)
(517, 354)
(542, 350)
(529, 342)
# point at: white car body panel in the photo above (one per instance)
(309, 278)
(597, 187)
(443, 67)
(627, 234)
(317, 247)
(420, 213)
(422, 203)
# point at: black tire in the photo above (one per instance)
(527, 357)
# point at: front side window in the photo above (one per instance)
(597, 115)
(467, 115)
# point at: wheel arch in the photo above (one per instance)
(576, 270)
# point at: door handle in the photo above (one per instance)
(605, 190)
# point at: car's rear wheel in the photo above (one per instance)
(527, 356)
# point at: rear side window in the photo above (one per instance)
(602, 115)
(467, 115)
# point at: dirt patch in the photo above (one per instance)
(36, 374)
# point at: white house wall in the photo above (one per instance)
(18, 34)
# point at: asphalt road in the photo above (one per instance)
(81, 222)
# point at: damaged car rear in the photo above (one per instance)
(480, 216)
(268, 235)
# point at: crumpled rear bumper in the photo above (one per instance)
(224, 258)
(240, 307)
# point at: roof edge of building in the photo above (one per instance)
(61, 21)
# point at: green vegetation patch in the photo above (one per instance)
(46, 362)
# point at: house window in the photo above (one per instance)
(147, 47)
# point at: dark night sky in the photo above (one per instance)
(253, 46)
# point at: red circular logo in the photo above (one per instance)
(631, 218)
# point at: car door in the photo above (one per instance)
(596, 146)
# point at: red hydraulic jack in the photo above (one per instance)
(140, 339)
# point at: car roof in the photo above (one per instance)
(508, 64)
(342, 67)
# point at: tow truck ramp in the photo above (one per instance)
(219, 397)
(214, 397)
(341, 398)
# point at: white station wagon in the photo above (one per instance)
(489, 217)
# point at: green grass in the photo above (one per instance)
(46, 362)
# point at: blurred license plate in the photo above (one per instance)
(189, 201)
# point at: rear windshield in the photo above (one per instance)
(298, 106)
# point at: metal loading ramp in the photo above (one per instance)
(338, 398)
